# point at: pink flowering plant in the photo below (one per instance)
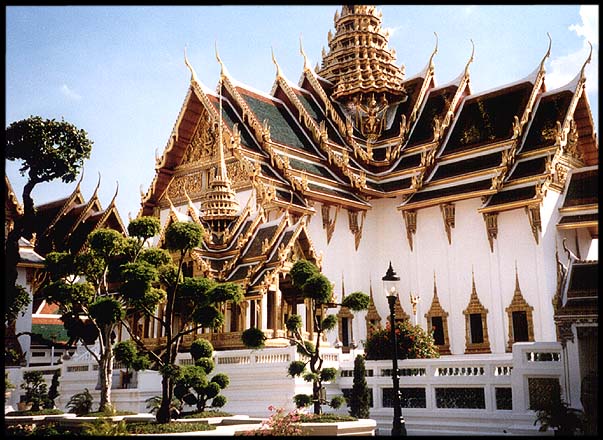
(280, 423)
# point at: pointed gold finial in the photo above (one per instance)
(434, 50)
(470, 58)
(223, 71)
(590, 54)
(97, 185)
(301, 50)
(129, 216)
(193, 73)
(278, 69)
(116, 192)
(342, 287)
(80, 181)
(516, 277)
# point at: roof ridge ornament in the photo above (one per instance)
(95, 194)
(279, 74)
(301, 50)
(193, 73)
(471, 58)
(435, 50)
(548, 52)
(223, 70)
(587, 60)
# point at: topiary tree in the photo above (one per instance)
(47, 150)
(359, 401)
(413, 343)
(36, 390)
(193, 387)
(319, 291)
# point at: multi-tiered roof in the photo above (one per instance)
(357, 130)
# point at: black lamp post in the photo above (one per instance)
(390, 285)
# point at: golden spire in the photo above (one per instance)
(222, 174)
(360, 42)
(220, 205)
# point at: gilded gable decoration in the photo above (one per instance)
(203, 145)
(193, 182)
(437, 315)
(355, 227)
(410, 218)
(476, 324)
(491, 220)
(519, 313)
(328, 223)
(448, 211)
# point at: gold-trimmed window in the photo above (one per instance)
(437, 322)
(476, 324)
(521, 323)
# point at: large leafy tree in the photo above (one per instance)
(191, 303)
(316, 287)
(47, 150)
(85, 286)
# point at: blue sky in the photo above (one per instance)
(119, 73)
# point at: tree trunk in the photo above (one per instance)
(106, 373)
(163, 414)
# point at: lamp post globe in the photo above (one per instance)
(390, 286)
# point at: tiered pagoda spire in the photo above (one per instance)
(359, 60)
(367, 83)
(220, 206)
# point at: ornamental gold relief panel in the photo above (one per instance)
(191, 183)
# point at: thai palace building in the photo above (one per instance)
(486, 205)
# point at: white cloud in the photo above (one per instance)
(589, 28)
(65, 90)
(564, 68)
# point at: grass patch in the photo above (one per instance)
(42, 412)
(327, 418)
(166, 428)
(204, 414)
